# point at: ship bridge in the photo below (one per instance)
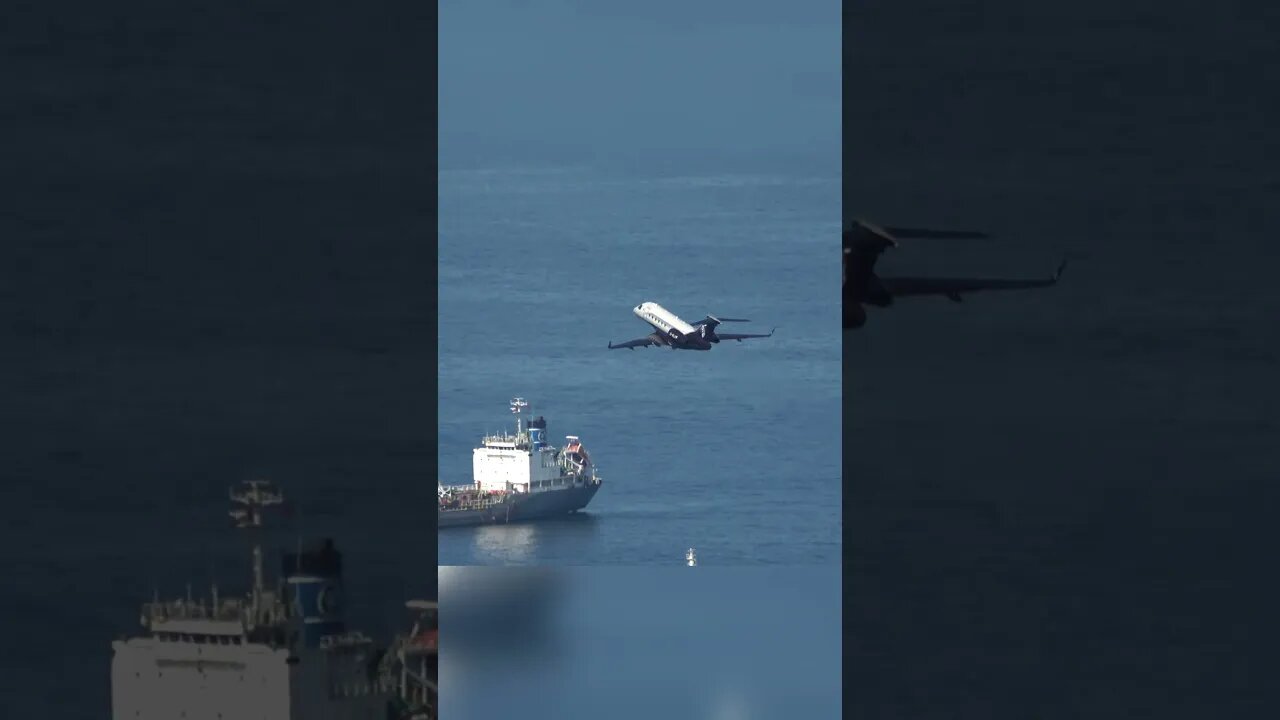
(523, 462)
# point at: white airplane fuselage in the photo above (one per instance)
(671, 330)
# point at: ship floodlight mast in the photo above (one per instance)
(253, 497)
(517, 406)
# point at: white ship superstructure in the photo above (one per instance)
(525, 463)
(279, 653)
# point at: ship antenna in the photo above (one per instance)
(253, 497)
(213, 583)
(298, 560)
(517, 406)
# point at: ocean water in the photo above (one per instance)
(216, 266)
(641, 642)
(1060, 502)
(735, 451)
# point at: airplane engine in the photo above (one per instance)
(855, 316)
(708, 334)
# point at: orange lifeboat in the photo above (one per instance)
(577, 453)
(426, 640)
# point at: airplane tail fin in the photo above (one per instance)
(707, 327)
(713, 320)
(863, 243)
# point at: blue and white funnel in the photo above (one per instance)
(538, 433)
(315, 584)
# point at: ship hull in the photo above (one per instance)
(523, 507)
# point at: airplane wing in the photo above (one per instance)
(645, 341)
(742, 336)
(954, 287)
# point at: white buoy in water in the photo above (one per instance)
(691, 558)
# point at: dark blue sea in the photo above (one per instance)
(1061, 503)
(735, 451)
(216, 266)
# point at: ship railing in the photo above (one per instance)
(471, 500)
(194, 610)
(360, 689)
(475, 505)
(354, 638)
(507, 438)
(567, 481)
(484, 500)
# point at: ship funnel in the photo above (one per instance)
(536, 439)
(315, 588)
(538, 432)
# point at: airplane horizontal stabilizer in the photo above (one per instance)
(712, 321)
(743, 336)
(927, 234)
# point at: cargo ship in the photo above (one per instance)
(276, 653)
(521, 477)
(280, 652)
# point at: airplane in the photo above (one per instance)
(863, 244)
(674, 333)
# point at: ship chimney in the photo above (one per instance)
(315, 582)
(538, 432)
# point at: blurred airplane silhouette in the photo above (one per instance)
(863, 245)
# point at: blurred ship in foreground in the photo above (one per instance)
(520, 477)
(277, 653)
(417, 660)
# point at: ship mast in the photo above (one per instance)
(253, 497)
(517, 406)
